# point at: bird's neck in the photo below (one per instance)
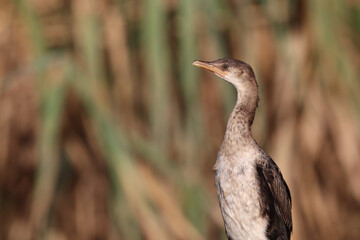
(238, 135)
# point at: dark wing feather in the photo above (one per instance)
(279, 190)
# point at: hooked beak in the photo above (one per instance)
(210, 67)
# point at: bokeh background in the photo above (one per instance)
(108, 131)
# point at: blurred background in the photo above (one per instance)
(108, 131)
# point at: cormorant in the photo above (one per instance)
(254, 199)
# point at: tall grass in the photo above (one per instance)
(110, 133)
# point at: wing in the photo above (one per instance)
(279, 190)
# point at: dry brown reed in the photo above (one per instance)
(108, 132)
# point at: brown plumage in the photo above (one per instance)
(254, 199)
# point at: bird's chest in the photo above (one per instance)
(238, 193)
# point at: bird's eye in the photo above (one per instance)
(225, 66)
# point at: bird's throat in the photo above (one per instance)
(238, 131)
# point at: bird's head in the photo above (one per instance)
(238, 73)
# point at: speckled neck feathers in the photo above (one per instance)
(238, 131)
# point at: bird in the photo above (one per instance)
(254, 199)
